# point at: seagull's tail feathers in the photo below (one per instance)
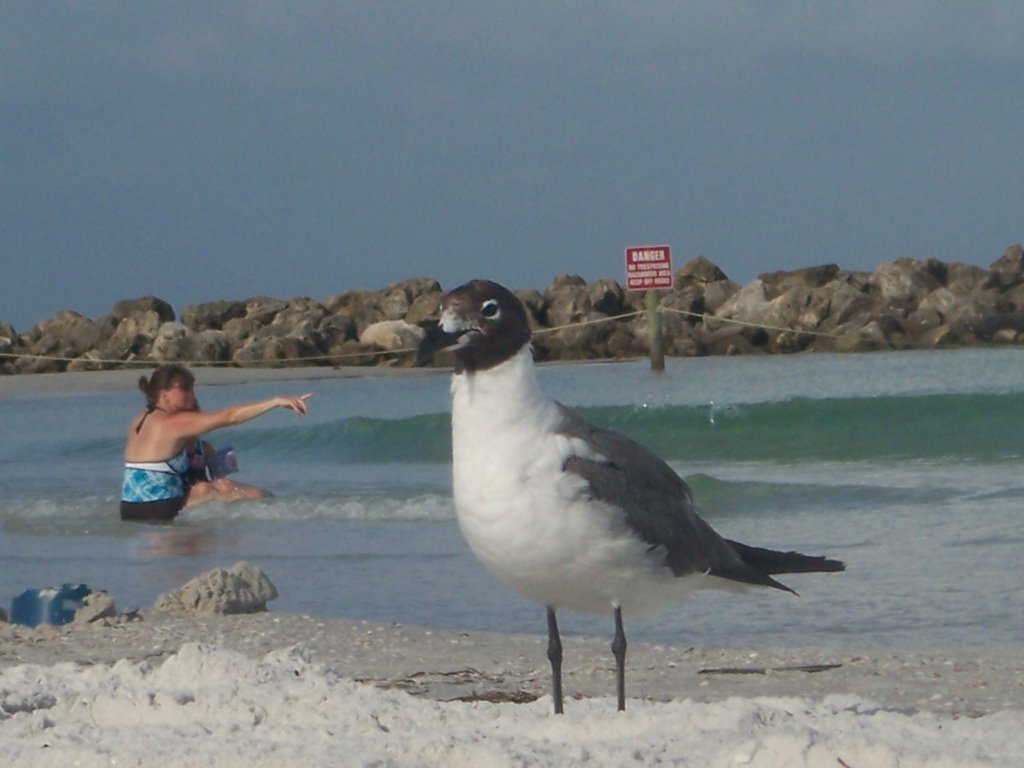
(767, 562)
(771, 561)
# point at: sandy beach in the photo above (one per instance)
(126, 379)
(279, 689)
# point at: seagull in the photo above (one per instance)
(567, 513)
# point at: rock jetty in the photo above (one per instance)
(908, 303)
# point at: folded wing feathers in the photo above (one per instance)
(658, 506)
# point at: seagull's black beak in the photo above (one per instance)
(435, 340)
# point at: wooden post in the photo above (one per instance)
(654, 331)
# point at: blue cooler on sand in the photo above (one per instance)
(48, 606)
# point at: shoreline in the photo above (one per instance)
(125, 379)
(448, 665)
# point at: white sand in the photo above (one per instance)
(278, 690)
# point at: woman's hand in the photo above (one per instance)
(297, 404)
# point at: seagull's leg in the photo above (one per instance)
(619, 651)
(555, 657)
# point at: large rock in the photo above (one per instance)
(698, 270)
(131, 307)
(347, 302)
(262, 309)
(850, 296)
(1008, 270)
(133, 337)
(905, 282)
(606, 297)
(212, 315)
(414, 287)
(1013, 299)
(681, 311)
(212, 346)
(142, 323)
(566, 301)
(66, 335)
(941, 300)
(336, 329)
(963, 279)
(626, 342)
(800, 307)
(299, 311)
(972, 309)
(361, 306)
(277, 345)
(425, 308)
(396, 301)
(239, 329)
(392, 335)
(582, 341)
(77, 333)
(243, 588)
(174, 342)
(920, 323)
(1003, 328)
(868, 338)
(717, 293)
(8, 341)
(678, 326)
(778, 283)
(730, 339)
(533, 300)
(573, 319)
(749, 305)
(352, 352)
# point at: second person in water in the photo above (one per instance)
(208, 470)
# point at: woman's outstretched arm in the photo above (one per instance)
(193, 423)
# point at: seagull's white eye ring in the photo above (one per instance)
(490, 310)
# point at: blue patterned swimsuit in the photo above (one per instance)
(154, 490)
(155, 480)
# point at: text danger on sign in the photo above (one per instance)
(648, 267)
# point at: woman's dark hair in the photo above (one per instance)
(165, 377)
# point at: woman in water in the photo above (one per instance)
(156, 453)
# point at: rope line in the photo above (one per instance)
(594, 321)
(288, 362)
(706, 317)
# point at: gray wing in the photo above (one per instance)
(656, 502)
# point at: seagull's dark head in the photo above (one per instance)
(483, 323)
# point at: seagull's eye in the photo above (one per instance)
(490, 309)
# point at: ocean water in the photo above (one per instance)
(909, 466)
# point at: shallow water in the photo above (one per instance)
(907, 465)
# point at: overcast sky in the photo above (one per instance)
(207, 150)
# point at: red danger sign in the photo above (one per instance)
(648, 267)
